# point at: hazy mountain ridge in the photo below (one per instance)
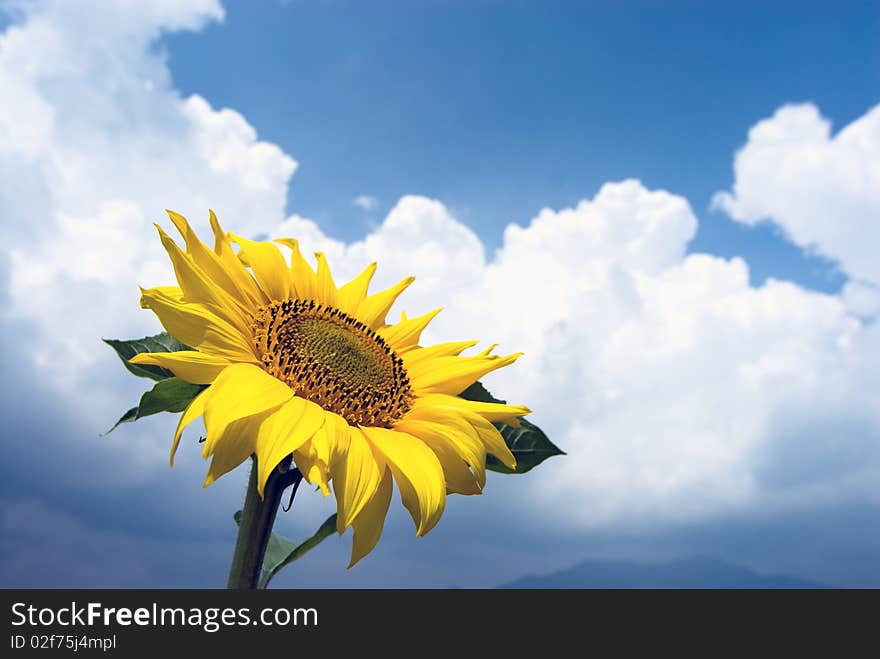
(691, 572)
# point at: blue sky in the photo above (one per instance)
(501, 109)
(611, 188)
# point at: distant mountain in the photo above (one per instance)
(693, 572)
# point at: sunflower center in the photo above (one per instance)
(335, 360)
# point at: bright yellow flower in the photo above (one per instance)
(298, 365)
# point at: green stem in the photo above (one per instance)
(255, 525)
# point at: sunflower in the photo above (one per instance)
(298, 365)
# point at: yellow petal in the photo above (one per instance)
(195, 409)
(197, 326)
(373, 309)
(239, 391)
(407, 332)
(462, 437)
(233, 264)
(171, 292)
(304, 279)
(353, 293)
(221, 241)
(355, 477)
(319, 446)
(283, 432)
(459, 478)
(494, 412)
(204, 258)
(338, 436)
(238, 442)
(493, 440)
(416, 356)
(326, 288)
(418, 474)
(268, 266)
(314, 469)
(469, 424)
(369, 523)
(313, 458)
(317, 475)
(189, 365)
(197, 287)
(452, 410)
(452, 375)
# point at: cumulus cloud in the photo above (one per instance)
(365, 202)
(822, 189)
(94, 143)
(678, 390)
(446, 255)
(862, 298)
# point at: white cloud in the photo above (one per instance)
(677, 388)
(417, 232)
(365, 202)
(823, 190)
(862, 298)
(671, 382)
(94, 144)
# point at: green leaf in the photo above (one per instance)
(128, 417)
(479, 393)
(281, 552)
(126, 349)
(528, 443)
(169, 395)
